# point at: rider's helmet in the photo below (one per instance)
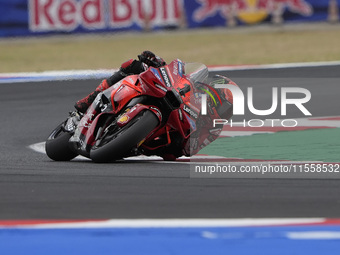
(224, 110)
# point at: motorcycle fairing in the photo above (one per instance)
(134, 111)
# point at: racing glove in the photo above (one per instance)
(150, 59)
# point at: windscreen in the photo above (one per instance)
(196, 72)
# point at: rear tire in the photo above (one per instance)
(125, 139)
(57, 145)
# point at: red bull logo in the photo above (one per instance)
(68, 15)
(298, 6)
(250, 11)
(211, 7)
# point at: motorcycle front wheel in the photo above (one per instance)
(117, 144)
(57, 146)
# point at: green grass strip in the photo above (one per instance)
(308, 145)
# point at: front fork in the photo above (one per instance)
(72, 122)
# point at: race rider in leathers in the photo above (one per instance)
(130, 67)
(205, 132)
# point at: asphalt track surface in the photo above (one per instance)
(34, 187)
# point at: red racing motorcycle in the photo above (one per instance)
(153, 113)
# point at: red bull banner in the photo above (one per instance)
(40, 17)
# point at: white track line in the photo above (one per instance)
(103, 73)
(174, 223)
(273, 66)
(196, 159)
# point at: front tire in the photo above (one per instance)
(125, 139)
(57, 146)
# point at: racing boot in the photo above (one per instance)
(83, 104)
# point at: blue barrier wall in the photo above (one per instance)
(41, 17)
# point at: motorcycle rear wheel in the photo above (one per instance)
(57, 146)
(125, 139)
